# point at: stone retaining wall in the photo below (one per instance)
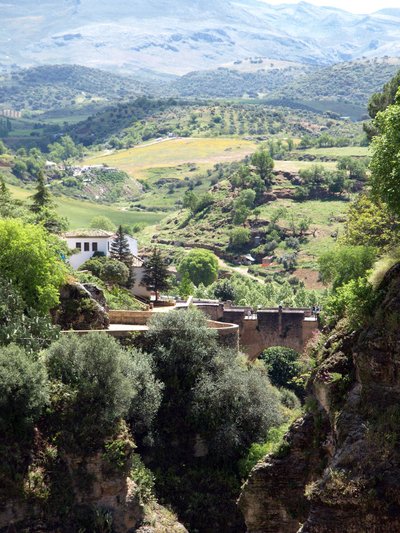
(137, 318)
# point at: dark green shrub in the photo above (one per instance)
(224, 291)
(18, 325)
(234, 405)
(96, 382)
(108, 270)
(115, 272)
(24, 390)
(283, 366)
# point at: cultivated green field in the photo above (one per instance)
(140, 161)
(337, 152)
(80, 213)
(296, 166)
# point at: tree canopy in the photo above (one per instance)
(100, 382)
(31, 259)
(264, 165)
(24, 390)
(201, 266)
(345, 263)
(385, 162)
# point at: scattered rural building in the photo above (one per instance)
(89, 169)
(10, 113)
(89, 241)
(246, 259)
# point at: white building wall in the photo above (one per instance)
(138, 289)
(78, 259)
(133, 245)
(103, 245)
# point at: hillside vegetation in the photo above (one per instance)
(64, 86)
(344, 88)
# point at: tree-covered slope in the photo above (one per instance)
(55, 86)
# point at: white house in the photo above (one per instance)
(88, 242)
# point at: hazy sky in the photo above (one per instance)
(355, 6)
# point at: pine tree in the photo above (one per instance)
(121, 251)
(156, 276)
(7, 207)
(42, 198)
(5, 195)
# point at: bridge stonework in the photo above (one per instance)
(236, 326)
(291, 328)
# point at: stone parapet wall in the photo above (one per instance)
(136, 318)
(213, 311)
(228, 334)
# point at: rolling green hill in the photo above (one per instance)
(66, 86)
(344, 88)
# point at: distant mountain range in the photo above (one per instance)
(179, 36)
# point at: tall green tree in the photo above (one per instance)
(42, 198)
(6, 207)
(9, 206)
(370, 223)
(22, 326)
(64, 149)
(156, 276)
(121, 251)
(102, 222)
(264, 165)
(385, 162)
(119, 248)
(210, 397)
(345, 263)
(186, 287)
(31, 259)
(24, 392)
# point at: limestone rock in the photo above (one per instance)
(272, 499)
(353, 429)
(115, 492)
(81, 308)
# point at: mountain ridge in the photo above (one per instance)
(178, 37)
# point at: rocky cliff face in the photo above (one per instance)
(339, 468)
(82, 307)
(71, 492)
(63, 490)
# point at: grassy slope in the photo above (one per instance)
(335, 152)
(139, 161)
(81, 213)
(326, 218)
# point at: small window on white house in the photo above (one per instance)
(78, 245)
(94, 247)
(86, 246)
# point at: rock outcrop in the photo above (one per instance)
(81, 308)
(341, 468)
(71, 492)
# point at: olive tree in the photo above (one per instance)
(96, 383)
(24, 390)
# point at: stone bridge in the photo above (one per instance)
(259, 330)
(235, 326)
